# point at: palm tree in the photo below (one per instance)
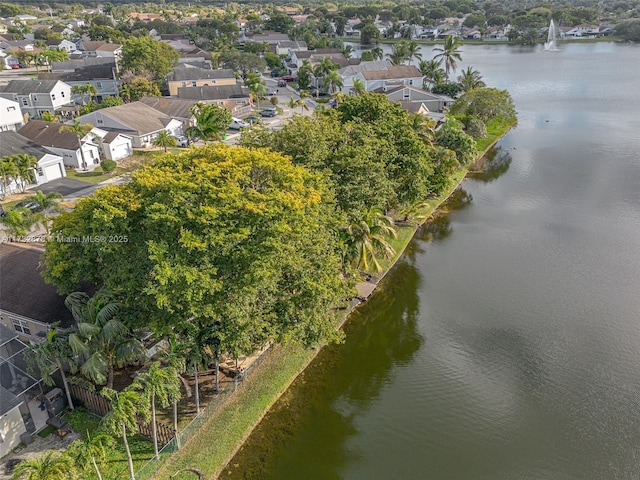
(470, 79)
(165, 140)
(359, 86)
(80, 131)
(17, 222)
(399, 52)
(51, 466)
(377, 53)
(100, 338)
(332, 81)
(49, 117)
(366, 238)
(88, 451)
(8, 169)
(126, 407)
(210, 122)
(54, 350)
(449, 53)
(432, 73)
(161, 384)
(413, 50)
(347, 51)
(85, 89)
(293, 103)
(25, 165)
(48, 204)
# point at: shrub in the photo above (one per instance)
(476, 128)
(108, 166)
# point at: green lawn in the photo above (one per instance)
(115, 465)
(94, 177)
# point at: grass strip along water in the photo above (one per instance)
(224, 433)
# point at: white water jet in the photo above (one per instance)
(551, 45)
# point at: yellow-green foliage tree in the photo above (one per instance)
(237, 242)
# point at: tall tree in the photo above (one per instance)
(161, 384)
(366, 240)
(90, 450)
(126, 406)
(147, 56)
(25, 169)
(165, 140)
(211, 121)
(55, 350)
(449, 53)
(103, 340)
(8, 172)
(432, 72)
(48, 203)
(470, 79)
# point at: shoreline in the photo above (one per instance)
(301, 362)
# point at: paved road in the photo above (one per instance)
(66, 187)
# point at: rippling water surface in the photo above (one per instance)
(506, 344)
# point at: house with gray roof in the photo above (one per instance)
(235, 98)
(178, 108)
(50, 166)
(137, 120)
(349, 72)
(36, 97)
(103, 77)
(394, 74)
(75, 153)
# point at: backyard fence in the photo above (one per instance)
(100, 406)
(192, 428)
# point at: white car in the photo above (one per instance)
(237, 124)
(182, 141)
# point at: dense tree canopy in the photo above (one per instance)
(243, 241)
(148, 56)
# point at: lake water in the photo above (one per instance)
(506, 343)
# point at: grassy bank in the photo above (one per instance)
(220, 437)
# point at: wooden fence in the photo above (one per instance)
(100, 406)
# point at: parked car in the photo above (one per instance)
(251, 119)
(15, 67)
(237, 124)
(2, 212)
(289, 78)
(269, 112)
(271, 92)
(275, 73)
(182, 141)
(282, 83)
(29, 205)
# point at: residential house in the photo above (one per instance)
(10, 115)
(63, 44)
(36, 97)
(103, 77)
(136, 120)
(65, 144)
(185, 46)
(287, 46)
(101, 49)
(176, 108)
(185, 77)
(407, 94)
(349, 72)
(235, 98)
(270, 37)
(113, 145)
(28, 309)
(49, 167)
(7, 60)
(394, 74)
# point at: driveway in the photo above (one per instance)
(64, 186)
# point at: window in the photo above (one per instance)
(194, 84)
(98, 84)
(40, 172)
(184, 84)
(62, 94)
(11, 109)
(410, 82)
(35, 98)
(25, 101)
(21, 326)
(53, 96)
(100, 120)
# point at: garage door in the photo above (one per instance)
(52, 172)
